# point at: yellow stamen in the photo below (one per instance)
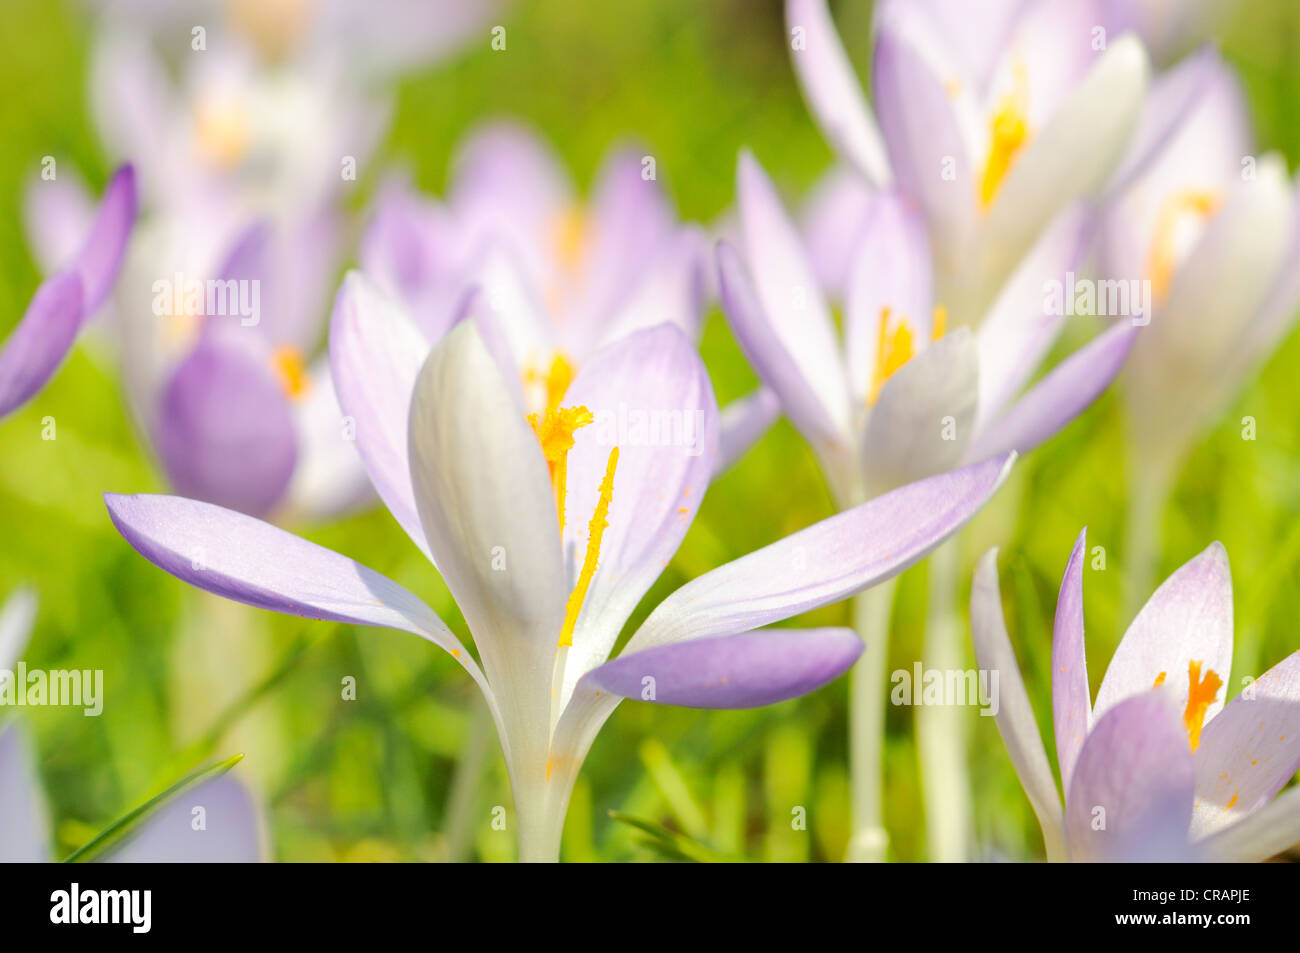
(570, 233)
(1160, 680)
(939, 324)
(894, 348)
(1008, 133)
(555, 431)
(291, 371)
(1200, 693)
(595, 532)
(558, 379)
(1161, 258)
(221, 132)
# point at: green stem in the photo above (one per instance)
(1152, 480)
(871, 612)
(462, 798)
(941, 729)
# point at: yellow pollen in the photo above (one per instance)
(939, 324)
(1200, 693)
(291, 371)
(1008, 133)
(894, 348)
(1160, 260)
(1160, 679)
(595, 532)
(558, 379)
(555, 431)
(221, 132)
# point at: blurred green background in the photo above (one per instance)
(189, 680)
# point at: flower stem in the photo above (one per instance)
(1151, 481)
(941, 729)
(462, 798)
(871, 612)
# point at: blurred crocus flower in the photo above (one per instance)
(1158, 768)
(904, 395)
(1168, 28)
(993, 124)
(232, 829)
(224, 296)
(561, 276)
(1214, 233)
(64, 302)
(376, 38)
(548, 530)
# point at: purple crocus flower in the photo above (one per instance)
(233, 831)
(992, 124)
(1212, 231)
(63, 302)
(903, 396)
(1158, 768)
(548, 530)
(563, 276)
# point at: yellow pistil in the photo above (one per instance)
(894, 347)
(1008, 133)
(555, 431)
(595, 532)
(1200, 693)
(1161, 258)
(291, 371)
(221, 132)
(558, 379)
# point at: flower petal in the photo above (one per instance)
(746, 670)
(651, 398)
(24, 820)
(671, 287)
(1250, 750)
(16, 620)
(225, 429)
(36, 348)
(1059, 397)
(742, 423)
(830, 220)
(232, 831)
(794, 315)
(1131, 795)
(1071, 696)
(1069, 158)
(924, 416)
(890, 271)
(488, 511)
(1189, 618)
(330, 477)
(760, 338)
(103, 249)
(832, 90)
(926, 148)
(826, 562)
(1264, 834)
(375, 355)
(1015, 714)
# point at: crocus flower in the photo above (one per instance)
(1158, 767)
(548, 531)
(992, 124)
(903, 396)
(375, 39)
(1168, 28)
(1215, 233)
(565, 276)
(232, 827)
(234, 405)
(64, 301)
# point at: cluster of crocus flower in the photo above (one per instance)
(512, 371)
(1158, 767)
(549, 528)
(230, 830)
